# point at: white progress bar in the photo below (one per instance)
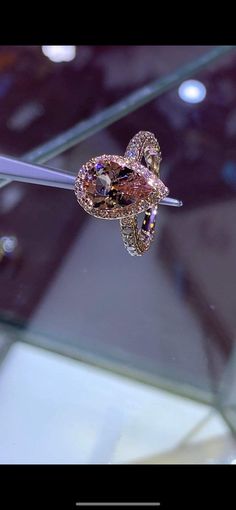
(118, 504)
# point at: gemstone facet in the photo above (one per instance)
(103, 184)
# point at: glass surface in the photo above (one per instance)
(167, 318)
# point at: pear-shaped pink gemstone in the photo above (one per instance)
(116, 183)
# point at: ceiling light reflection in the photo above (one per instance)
(9, 243)
(59, 53)
(192, 91)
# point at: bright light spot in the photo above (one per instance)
(9, 243)
(192, 91)
(233, 461)
(59, 53)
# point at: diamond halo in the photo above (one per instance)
(116, 187)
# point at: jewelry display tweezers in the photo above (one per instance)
(16, 170)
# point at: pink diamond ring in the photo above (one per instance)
(121, 187)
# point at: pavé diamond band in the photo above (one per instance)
(121, 187)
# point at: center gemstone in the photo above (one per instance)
(112, 182)
(115, 184)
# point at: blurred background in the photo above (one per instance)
(89, 336)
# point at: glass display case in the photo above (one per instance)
(164, 322)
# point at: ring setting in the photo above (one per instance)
(121, 187)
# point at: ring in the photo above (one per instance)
(121, 187)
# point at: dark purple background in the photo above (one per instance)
(39, 99)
